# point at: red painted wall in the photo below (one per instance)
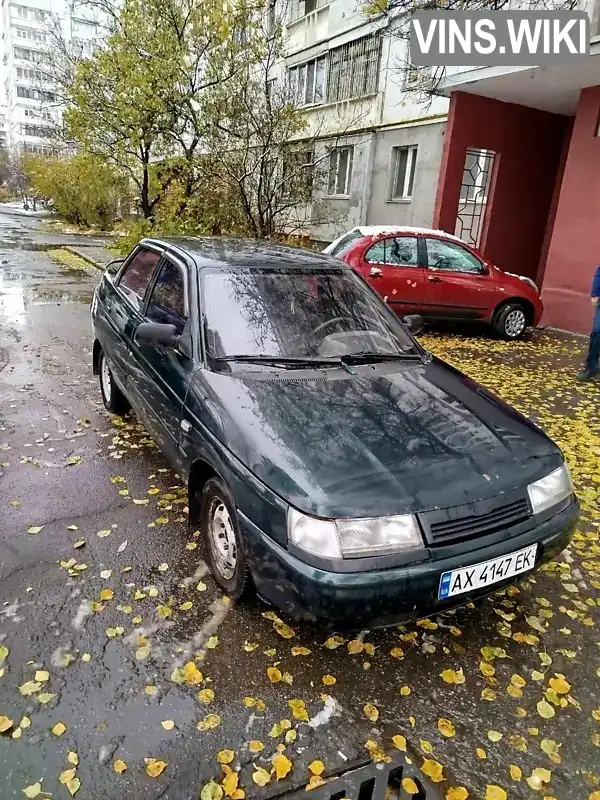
(574, 249)
(528, 145)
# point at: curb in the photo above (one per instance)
(87, 258)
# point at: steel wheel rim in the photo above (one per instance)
(515, 323)
(222, 539)
(105, 379)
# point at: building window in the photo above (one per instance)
(31, 34)
(35, 130)
(300, 8)
(354, 69)
(340, 171)
(404, 160)
(307, 82)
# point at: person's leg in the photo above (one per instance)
(592, 365)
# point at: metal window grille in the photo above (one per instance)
(474, 191)
(354, 69)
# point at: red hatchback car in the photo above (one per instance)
(437, 275)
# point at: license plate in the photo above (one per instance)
(468, 579)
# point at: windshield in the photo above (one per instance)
(296, 313)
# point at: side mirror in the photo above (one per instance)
(156, 333)
(414, 323)
(113, 266)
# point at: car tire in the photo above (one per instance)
(222, 539)
(511, 321)
(113, 398)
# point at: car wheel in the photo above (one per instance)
(511, 321)
(219, 525)
(113, 398)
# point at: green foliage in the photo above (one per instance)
(81, 188)
(5, 194)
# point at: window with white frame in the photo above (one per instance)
(31, 34)
(340, 171)
(300, 8)
(402, 175)
(354, 69)
(307, 82)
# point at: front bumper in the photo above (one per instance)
(384, 597)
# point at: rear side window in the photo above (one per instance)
(167, 301)
(344, 243)
(399, 251)
(136, 276)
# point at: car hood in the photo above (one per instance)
(390, 439)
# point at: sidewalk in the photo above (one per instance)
(97, 255)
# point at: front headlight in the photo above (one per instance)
(551, 490)
(354, 538)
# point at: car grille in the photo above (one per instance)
(466, 522)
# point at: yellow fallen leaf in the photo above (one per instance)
(206, 696)
(255, 746)
(104, 534)
(225, 756)
(409, 786)
(25, 722)
(426, 746)
(538, 778)
(211, 791)
(329, 680)
(119, 766)
(516, 773)
(316, 767)
(287, 678)
(314, 782)
(33, 790)
(481, 752)
(260, 776)
(273, 674)
(154, 767)
(107, 594)
(59, 729)
(210, 721)
(282, 765)
(212, 642)
(73, 758)
(488, 694)
(545, 710)
(4, 651)
(397, 652)
(355, 646)
(334, 642)
(399, 742)
(35, 529)
(457, 793)
(453, 676)
(5, 723)
(284, 630)
(300, 651)
(164, 612)
(186, 606)
(73, 786)
(494, 736)
(230, 783)
(493, 792)
(30, 687)
(299, 710)
(279, 727)
(192, 674)
(445, 727)
(67, 775)
(487, 669)
(559, 684)
(433, 769)
(405, 691)
(371, 712)
(45, 697)
(168, 724)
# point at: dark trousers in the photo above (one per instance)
(593, 359)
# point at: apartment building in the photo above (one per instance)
(3, 127)
(376, 147)
(28, 31)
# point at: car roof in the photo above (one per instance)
(386, 230)
(223, 251)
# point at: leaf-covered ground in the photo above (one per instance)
(125, 674)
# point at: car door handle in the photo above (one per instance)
(434, 279)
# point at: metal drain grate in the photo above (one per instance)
(371, 782)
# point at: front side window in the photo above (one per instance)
(295, 313)
(396, 251)
(404, 160)
(135, 278)
(451, 256)
(340, 170)
(167, 301)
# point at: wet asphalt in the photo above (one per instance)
(71, 470)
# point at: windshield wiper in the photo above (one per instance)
(289, 362)
(366, 355)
